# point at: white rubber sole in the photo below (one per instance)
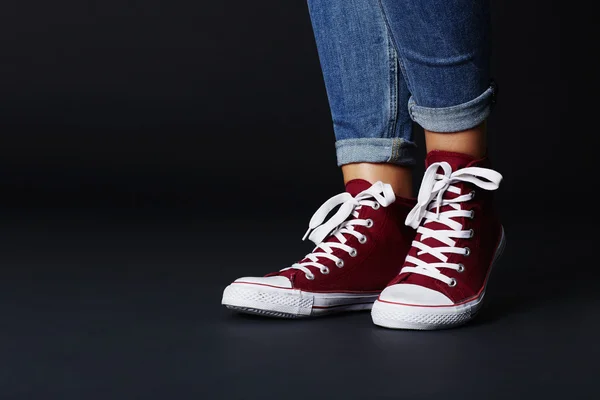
(278, 302)
(406, 316)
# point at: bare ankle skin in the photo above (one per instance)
(398, 176)
(471, 141)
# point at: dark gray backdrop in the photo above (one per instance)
(156, 103)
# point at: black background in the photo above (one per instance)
(156, 103)
(152, 151)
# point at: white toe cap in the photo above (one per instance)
(407, 293)
(277, 281)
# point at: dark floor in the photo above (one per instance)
(105, 307)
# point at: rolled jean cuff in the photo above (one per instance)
(455, 118)
(375, 150)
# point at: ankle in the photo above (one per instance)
(399, 177)
(471, 141)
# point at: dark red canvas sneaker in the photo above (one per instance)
(459, 238)
(356, 254)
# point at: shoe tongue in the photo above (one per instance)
(355, 186)
(456, 160)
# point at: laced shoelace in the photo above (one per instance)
(340, 225)
(431, 196)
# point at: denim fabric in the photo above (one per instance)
(366, 92)
(387, 63)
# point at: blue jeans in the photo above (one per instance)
(387, 63)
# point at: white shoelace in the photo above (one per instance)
(431, 195)
(379, 194)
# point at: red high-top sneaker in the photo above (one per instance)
(356, 254)
(459, 238)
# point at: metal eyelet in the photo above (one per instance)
(353, 253)
(471, 233)
(472, 194)
(376, 206)
(369, 223)
(452, 283)
(472, 214)
(461, 268)
(362, 239)
(339, 263)
(325, 271)
(309, 277)
(467, 251)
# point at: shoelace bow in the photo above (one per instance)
(431, 196)
(339, 225)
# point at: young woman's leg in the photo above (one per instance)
(443, 48)
(358, 249)
(366, 90)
